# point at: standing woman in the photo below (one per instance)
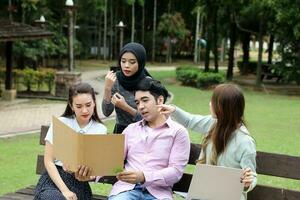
(227, 141)
(120, 86)
(81, 115)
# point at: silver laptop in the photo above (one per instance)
(211, 182)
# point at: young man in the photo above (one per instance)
(157, 149)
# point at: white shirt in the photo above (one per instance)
(92, 127)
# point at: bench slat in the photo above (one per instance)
(184, 183)
(286, 166)
(194, 153)
(261, 192)
(40, 167)
(44, 130)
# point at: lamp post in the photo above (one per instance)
(64, 79)
(121, 25)
(41, 23)
(70, 7)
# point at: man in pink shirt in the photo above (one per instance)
(156, 149)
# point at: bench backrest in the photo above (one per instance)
(270, 164)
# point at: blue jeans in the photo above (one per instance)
(137, 193)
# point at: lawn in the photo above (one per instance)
(273, 121)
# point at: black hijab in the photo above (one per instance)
(130, 82)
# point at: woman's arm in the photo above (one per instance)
(107, 106)
(53, 172)
(198, 123)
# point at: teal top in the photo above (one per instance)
(240, 151)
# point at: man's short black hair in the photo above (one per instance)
(154, 87)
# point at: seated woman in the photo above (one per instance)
(81, 115)
(227, 141)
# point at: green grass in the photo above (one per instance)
(18, 161)
(273, 121)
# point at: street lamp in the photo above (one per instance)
(40, 22)
(70, 8)
(121, 25)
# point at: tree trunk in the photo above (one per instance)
(143, 24)
(154, 30)
(169, 51)
(132, 21)
(99, 34)
(208, 40)
(105, 31)
(231, 48)
(216, 54)
(260, 52)
(245, 46)
(270, 49)
(111, 31)
(196, 52)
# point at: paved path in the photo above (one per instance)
(24, 116)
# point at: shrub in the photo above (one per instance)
(187, 75)
(250, 68)
(206, 79)
(195, 77)
(29, 77)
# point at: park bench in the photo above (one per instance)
(267, 74)
(267, 164)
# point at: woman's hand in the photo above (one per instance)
(132, 177)
(119, 101)
(83, 173)
(69, 195)
(166, 109)
(247, 177)
(110, 79)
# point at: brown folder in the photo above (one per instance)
(104, 154)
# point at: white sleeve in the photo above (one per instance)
(49, 136)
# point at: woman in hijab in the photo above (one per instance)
(120, 86)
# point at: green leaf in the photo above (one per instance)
(117, 170)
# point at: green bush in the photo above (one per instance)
(187, 75)
(30, 78)
(250, 68)
(195, 77)
(206, 79)
(289, 73)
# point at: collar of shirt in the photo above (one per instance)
(168, 123)
(81, 130)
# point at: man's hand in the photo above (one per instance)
(131, 177)
(83, 173)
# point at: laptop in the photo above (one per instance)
(212, 182)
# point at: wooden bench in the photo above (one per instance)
(267, 164)
(267, 74)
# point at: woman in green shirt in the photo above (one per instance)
(227, 141)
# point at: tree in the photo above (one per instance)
(132, 3)
(154, 30)
(172, 28)
(287, 30)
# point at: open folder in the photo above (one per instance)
(215, 183)
(104, 154)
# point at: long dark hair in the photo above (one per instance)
(80, 88)
(228, 104)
